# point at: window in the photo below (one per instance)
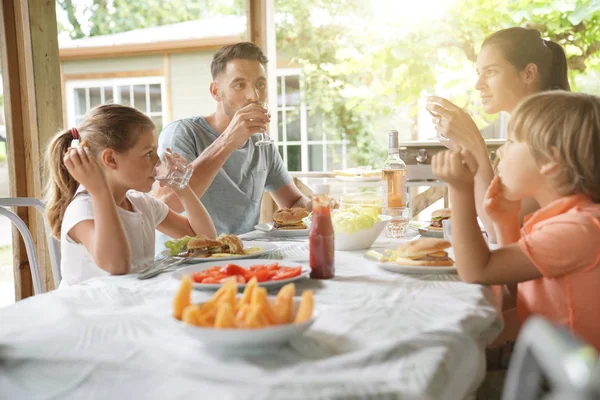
(145, 94)
(303, 143)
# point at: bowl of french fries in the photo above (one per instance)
(252, 320)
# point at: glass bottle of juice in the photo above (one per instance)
(321, 237)
(394, 190)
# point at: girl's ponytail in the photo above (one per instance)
(61, 186)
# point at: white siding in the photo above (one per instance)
(190, 84)
(107, 65)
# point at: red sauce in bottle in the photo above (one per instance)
(321, 238)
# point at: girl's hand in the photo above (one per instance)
(458, 168)
(84, 168)
(496, 206)
(174, 160)
(455, 124)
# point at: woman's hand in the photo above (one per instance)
(456, 125)
(84, 168)
(496, 206)
(458, 168)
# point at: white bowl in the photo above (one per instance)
(248, 339)
(362, 239)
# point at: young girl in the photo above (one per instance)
(97, 201)
(551, 155)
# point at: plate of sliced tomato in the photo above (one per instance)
(268, 273)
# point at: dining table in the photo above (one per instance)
(378, 335)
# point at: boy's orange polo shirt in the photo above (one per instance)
(563, 241)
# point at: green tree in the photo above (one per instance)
(356, 79)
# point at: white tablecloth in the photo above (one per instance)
(379, 335)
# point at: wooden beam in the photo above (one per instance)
(114, 75)
(260, 16)
(34, 111)
(15, 140)
(137, 49)
(168, 113)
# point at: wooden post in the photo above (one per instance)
(31, 72)
(260, 16)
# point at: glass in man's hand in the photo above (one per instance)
(172, 170)
(265, 138)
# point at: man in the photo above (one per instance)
(230, 171)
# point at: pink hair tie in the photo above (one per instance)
(75, 141)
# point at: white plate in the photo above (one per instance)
(430, 233)
(412, 269)
(180, 273)
(248, 339)
(268, 228)
(266, 247)
(358, 178)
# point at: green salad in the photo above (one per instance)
(178, 245)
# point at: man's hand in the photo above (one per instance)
(247, 121)
(458, 168)
(498, 207)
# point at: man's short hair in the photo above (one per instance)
(243, 50)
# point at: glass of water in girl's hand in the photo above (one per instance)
(174, 171)
(265, 138)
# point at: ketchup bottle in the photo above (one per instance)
(320, 237)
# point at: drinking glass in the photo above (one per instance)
(173, 170)
(265, 138)
(447, 229)
(396, 227)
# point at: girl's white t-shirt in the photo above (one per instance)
(76, 262)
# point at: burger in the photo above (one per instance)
(437, 217)
(231, 244)
(203, 246)
(289, 218)
(424, 252)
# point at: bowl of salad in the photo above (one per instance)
(356, 228)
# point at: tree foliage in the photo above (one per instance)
(360, 81)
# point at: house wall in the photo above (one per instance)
(189, 77)
(109, 65)
(190, 82)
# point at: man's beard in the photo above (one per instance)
(229, 108)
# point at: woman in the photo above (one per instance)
(513, 63)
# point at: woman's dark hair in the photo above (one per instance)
(522, 46)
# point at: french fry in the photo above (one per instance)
(247, 295)
(261, 299)
(240, 316)
(305, 310)
(225, 317)
(284, 304)
(190, 314)
(182, 297)
(255, 319)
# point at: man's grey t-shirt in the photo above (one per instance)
(233, 199)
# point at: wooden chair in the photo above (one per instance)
(268, 205)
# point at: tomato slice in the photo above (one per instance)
(262, 274)
(233, 269)
(287, 273)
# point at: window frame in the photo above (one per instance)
(115, 83)
(304, 142)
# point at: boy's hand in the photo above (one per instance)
(457, 168)
(84, 168)
(496, 206)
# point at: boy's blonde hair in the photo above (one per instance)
(564, 125)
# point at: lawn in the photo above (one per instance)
(2, 151)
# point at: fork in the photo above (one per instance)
(155, 264)
(159, 270)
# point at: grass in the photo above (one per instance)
(2, 151)
(6, 255)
